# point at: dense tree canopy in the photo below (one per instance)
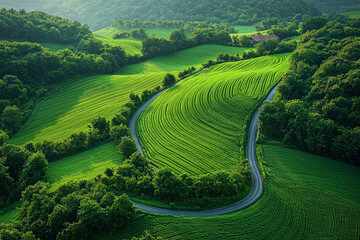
(100, 14)
(41, 27)
(317, 105)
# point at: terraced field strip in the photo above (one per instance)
(180, 60)
(305, 197)
(195, 126)
(130, 45)
(73, 105)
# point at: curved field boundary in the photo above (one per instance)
(195, 127)
(257, 187)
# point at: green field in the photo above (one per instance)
(73, 105)
(111, 31)
(84, 165)
(130, 45)
(245, 29)
(353, 14)
(195, 126)
(305, 197)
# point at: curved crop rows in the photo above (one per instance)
(195, 126)
(72, 107)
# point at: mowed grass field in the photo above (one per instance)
(84, 165)
(195, 126)
(130, 45)
(74, 104)
(305, 197)
(353, 14)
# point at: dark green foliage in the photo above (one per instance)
(327, 6)
(117, 132)
(74, 211)
(41, 27)
(313, 24)
(127, 146)
(33, 171)
(169, 80)
(236, 12)
(147, 236)
(174, 24)
(285, 32)
(317, 108)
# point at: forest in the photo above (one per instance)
(99, 15)
(317, 106)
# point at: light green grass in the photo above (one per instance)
(353, 14)
(54, 47)
(72, 106)
(84, 165)
(9, 216)
(245, 29)
(305, 197)
(130, 45)
(195, 126)
(180, 60)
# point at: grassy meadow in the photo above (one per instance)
(195, 126)
(72, 106)
(84, 165)
(130, 45)
(305, 197)
(353, 14)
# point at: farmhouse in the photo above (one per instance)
(260, 38)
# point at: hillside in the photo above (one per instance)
(327, 6)
(195, 126)
(100, 14)
(305, 197)
(72, 107)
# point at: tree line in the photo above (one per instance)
(233, 12)
(317, 103)
(174, 24)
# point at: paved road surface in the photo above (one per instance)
(257, 187)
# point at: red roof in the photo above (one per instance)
(261, 38)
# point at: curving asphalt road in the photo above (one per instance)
(257, 187)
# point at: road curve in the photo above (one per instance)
(257, 187)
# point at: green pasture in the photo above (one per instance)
(245, 29)
(195, 126)
(84, 165)
(71, 107)
(180, 60)
(305, 197)
(130, 45)
(353, 14)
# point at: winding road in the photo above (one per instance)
(257, 187)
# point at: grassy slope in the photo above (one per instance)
(195, 126)
(84, 165)
(305, 197)
(72, 107)
(353, 14)
(245, 29)
(130, 45)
